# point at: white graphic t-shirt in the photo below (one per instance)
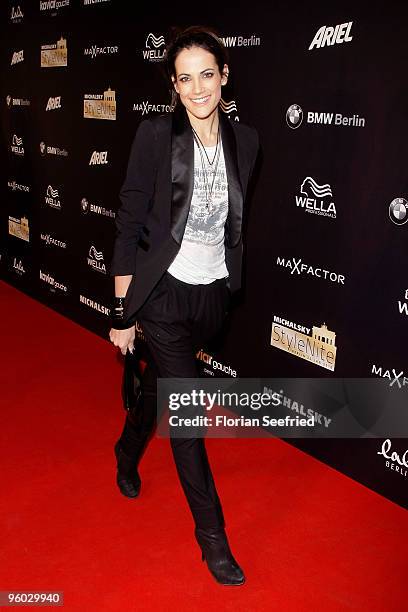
(201, 258)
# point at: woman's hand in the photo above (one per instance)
(123, 338)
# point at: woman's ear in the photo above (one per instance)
(174, 84)
(224, 76)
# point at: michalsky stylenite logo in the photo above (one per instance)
(398, 211)
(54, 55)
(318, 348)
(100, 106)
(316, 199)
(295, 116)
(155, 48)
(328, 35)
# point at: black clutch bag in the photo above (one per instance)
(132, 392)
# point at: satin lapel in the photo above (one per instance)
(233, 224)
(182, 172)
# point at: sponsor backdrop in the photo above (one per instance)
(325, 290)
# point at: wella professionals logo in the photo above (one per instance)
(53, 103)
(52, 198)
(316, 199)
(95, 260)
(17, 57)
(98, 106)
(155, 48)
(54, 55)
(229, 108)
(19, 228)
(398, 211)
(403, 305)
(295, 116)
(17, 14)
(17, 145)
(318, 348)
(329, 36)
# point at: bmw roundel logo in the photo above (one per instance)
(84, 205)
(398, 211)
(294, 116)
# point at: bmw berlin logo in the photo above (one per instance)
(398, 211)
(294, 116)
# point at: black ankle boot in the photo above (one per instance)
(216, 551)
(127, 477)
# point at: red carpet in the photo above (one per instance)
(307, 537)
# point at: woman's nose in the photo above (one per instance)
(197, 86)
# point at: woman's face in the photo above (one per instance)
(198, 81)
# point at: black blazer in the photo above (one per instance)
(156, 197)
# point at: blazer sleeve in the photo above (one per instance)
(135, 196)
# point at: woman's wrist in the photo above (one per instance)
(117, 314)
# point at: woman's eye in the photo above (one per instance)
(183, 79)
(208, 74)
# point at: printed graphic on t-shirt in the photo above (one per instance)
(205, 223)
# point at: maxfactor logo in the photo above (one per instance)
(318, 347)
(98, 106)
(155, 48)
(54, 55)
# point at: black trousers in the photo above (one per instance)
(177, 320)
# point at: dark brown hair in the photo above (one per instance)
(193, 36)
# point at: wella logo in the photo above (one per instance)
(321, 203)
(154, 51)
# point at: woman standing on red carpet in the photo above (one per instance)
(178, 258)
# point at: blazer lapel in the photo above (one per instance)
(182, 173)
(233, 224)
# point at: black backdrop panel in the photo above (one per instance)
(326, 234)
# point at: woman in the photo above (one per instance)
(177, 259)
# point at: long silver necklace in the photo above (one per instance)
(208, 190)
